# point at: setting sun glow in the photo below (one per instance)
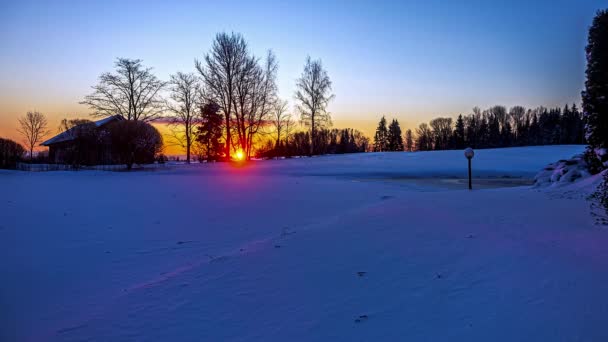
(239, 155)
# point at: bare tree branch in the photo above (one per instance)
(133, 91)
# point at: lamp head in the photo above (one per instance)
(469, 153)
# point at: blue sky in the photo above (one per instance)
(410, 60)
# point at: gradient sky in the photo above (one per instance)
(412, 60)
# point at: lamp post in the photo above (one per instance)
(469, 153)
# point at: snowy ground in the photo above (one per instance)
(366, 247)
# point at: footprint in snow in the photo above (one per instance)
(361, 318)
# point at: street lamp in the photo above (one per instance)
(469, 153)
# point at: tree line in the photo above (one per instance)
(490, 128)
(326, 141)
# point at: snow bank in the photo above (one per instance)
(564, 171)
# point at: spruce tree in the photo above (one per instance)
(395, 140)
(459, 141)
(595, 95)
(381, 136)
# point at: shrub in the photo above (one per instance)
(134, 142)
(10, 153)
(601, 193)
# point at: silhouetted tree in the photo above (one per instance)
(313, 94)
(209, 132)
(134, 142)
(395, 140)
(409, 141)
(184, 100)
(424, 140)
(280, 121)
(381, 136)
(595, 95)
(10, 153)
(459, 133)
(33, 127)
(132, 91)
(442, 132)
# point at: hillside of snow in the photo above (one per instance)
(362, 247)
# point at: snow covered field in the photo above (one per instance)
(367, 247)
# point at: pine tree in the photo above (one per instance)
(579, 136)
(381, 136)
(409, 141)
(459, 141)
(395, 140)
(493, 131)
(595, 95)
(483, 133)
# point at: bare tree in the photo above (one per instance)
(33, 126)
(409, 140)
(280, 116)
(242, 87)
(314, 93)
(517, 114)
(219, 70)
(132, 91)
(184, 101)
(256, 97)
(424, 140)
(442, 131)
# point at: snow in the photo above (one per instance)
(563, 172)
(362, 247)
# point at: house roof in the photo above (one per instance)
(68, 135)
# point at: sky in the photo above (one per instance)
(409, 60)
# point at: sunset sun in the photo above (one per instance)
(239, 155)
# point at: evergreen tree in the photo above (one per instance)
(209, 133)
(534, 131)
(381, 136)
(482, 133)
(595, 95)
(579, 136)
(493, 131)
(459, 133)
(506, 135)
(395, 140)
(471, 130)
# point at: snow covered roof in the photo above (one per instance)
(67, 135)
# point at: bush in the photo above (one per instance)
(601, 193)
(10, 153)
(134, 142)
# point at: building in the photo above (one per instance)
(85, 144)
